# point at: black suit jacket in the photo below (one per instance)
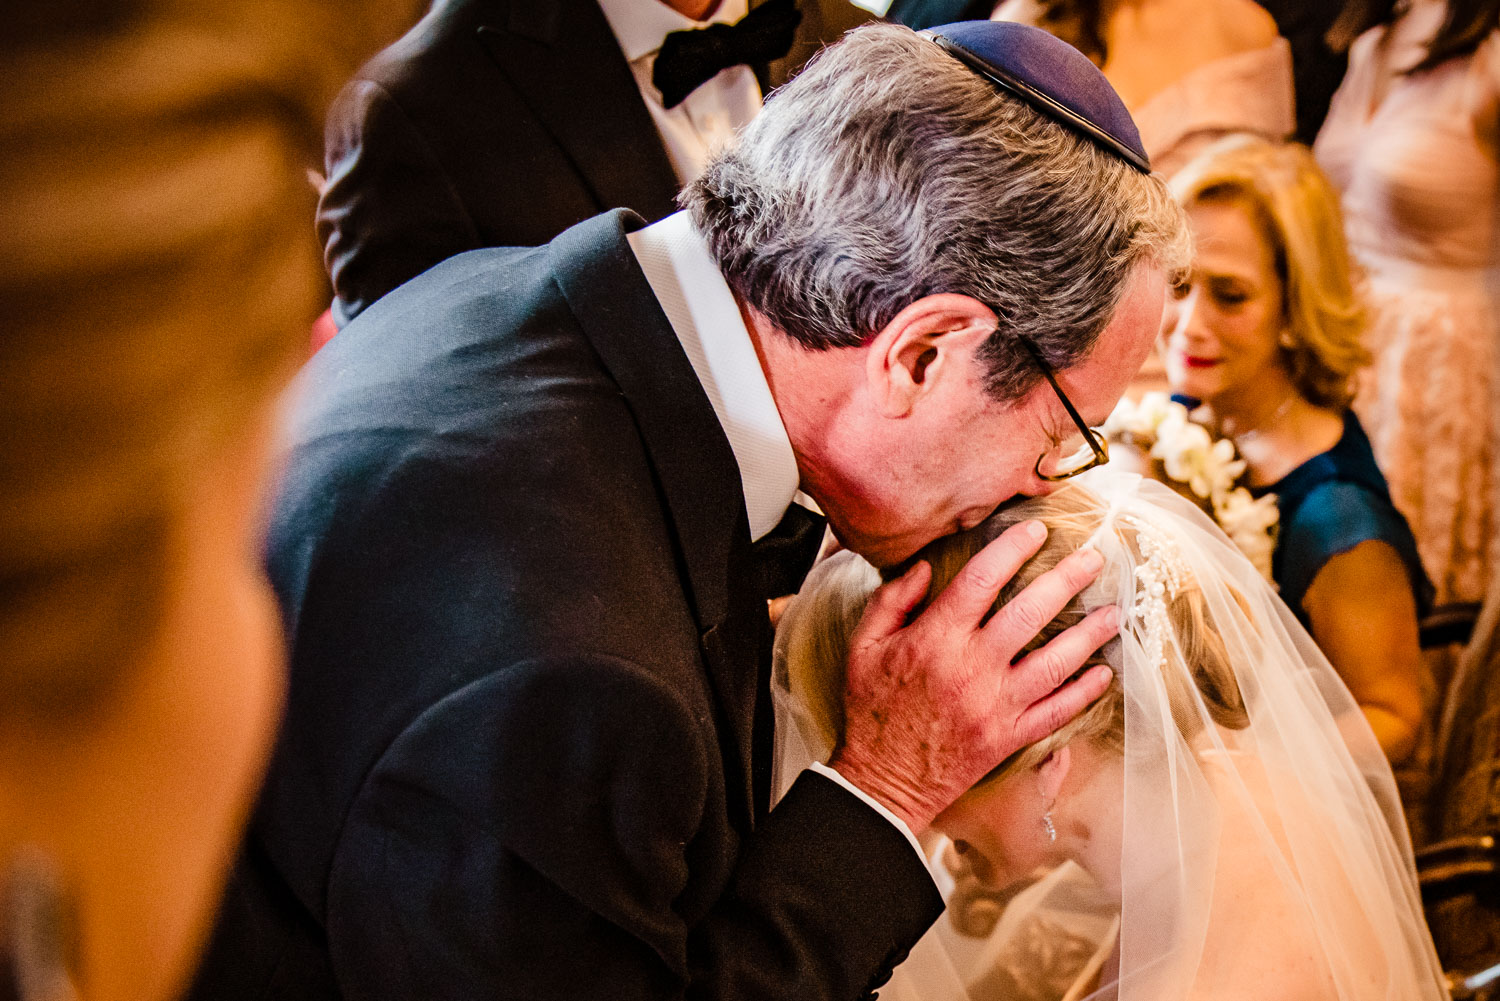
(492, 123)
(527, 653)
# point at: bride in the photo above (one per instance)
(1220, 825)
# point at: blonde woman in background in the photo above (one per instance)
(1264, 339)
(158, 273)
(1220, 825)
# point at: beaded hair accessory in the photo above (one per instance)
(1159, 578)
(1160, 574)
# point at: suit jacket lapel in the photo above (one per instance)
(694, 464)
(565, 62)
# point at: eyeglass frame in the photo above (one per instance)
(1098, 444)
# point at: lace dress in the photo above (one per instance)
(1419, 179)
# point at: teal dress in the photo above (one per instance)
(1330, 504)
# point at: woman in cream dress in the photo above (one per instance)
(1411, 140)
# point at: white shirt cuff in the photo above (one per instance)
(900, 825)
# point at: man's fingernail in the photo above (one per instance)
(1091, 560)
(1036, 530)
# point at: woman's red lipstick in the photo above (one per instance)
(1196, 361)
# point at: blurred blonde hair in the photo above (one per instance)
(158, 275)
(817, 650)
(1297, 209)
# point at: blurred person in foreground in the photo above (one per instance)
(1265, 340)
(534, 507)
(1412, 141)
(157, 275)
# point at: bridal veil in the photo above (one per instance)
(1263, 850)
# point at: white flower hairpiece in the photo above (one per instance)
(1209, 468)
(1159, 578)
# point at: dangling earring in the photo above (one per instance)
(1047, 824)
(1286, 340)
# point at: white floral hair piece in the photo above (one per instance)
(1209, 468)
(1159, 578)
(1160, 573)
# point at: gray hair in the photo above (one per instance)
(888, 171)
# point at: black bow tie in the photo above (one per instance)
(785, 554)
(689, 59)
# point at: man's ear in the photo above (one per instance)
(1051, 772)
(928, 346)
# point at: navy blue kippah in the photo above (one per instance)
(1051, 76)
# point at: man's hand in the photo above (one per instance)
(932, 707)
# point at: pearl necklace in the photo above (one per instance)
(1239, 438)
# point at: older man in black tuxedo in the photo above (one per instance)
(530, 515)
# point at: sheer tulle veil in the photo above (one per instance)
(1264, 852)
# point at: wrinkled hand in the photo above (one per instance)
(932, 706)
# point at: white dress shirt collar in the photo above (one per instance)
(707, 118)
(707, 322)
(706, 319)
(640, 25)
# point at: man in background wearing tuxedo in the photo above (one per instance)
(494, 124)
(536, 500)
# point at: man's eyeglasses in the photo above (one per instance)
(1084, 450)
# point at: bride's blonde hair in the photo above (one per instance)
(816, 646)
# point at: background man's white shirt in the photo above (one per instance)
(708, 117)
